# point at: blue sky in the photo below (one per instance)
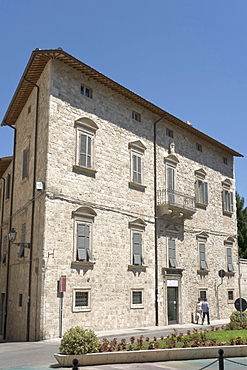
(187, 56)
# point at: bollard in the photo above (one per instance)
(75, 363)
(221, 359)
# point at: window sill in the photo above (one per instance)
(83, 263)
(84, 170)
(136, 186)
(137, 267)
(227, 213)
(86, 309)
(201, 205)
(202, 272)
(230, 273)
(137, 307)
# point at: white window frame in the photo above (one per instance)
(134, 259)
(227, 197)
(137, 305)
(82, 308)
(136, 116)
(86, 91)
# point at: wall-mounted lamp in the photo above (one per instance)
(12, 236)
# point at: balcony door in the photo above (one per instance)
(170, 184)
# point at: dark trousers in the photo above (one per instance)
(203, 317)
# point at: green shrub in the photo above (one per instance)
(78, 341)
(235, 317)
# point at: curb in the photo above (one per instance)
(152, 355)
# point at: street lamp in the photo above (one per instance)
(12, 237)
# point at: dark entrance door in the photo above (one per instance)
(172, 300)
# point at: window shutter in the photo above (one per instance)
(231, 201)
(205, 192)
(229, 259)
(172, 252)
(224, 201)
(25, 163)
(83, 242)
(170, 184)
(3, 260)
(83, 150)
(203, 263)
(89, 151)
(137, 169)
(197, 191)
(23, 233)
(137, 248)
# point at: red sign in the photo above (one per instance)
(62, 284)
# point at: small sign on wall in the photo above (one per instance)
(62, 284)
(172, 283)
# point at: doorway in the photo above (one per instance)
(172, 303)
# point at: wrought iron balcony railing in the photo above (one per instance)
(175, 201)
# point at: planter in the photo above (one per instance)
(151, 355)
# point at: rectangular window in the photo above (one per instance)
(137, 298)
(137, 248)
(225, 160)
(8, 181)
(227, 199)
(25, 163)
(199, 147)
(136, 168)
(20, 300)
(202, 254)
(169, 132)
(23, 240)
(230, 295)
(170, 184)
(201, 192)
(86, 91)
(203, 294)
(229, 259)
(81, 300)
(83, 242)
(5, 241)
(136, 116)
(85, 149)
(172, 252)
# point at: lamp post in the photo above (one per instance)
(22, 245)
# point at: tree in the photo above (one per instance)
(242, 226)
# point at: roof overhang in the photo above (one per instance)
(4, 164)
(39, 59)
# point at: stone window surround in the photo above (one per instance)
(87, 126)
(85, 215)
(137, 225)
(202, 239)
(200, 175)
(137, 148)
(137, 306)
(228, 208)
(81, 308)
(228, 291)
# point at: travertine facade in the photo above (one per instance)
(119, 196)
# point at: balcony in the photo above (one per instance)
(175, 205)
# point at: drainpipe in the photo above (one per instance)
(33, 212)
(3, 191)
(10, 227)
(156, 223)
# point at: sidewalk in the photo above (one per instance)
(40, 355)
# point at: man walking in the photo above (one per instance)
(205, 311)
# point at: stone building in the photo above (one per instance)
(123, 213)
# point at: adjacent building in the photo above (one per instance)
(123, 214)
